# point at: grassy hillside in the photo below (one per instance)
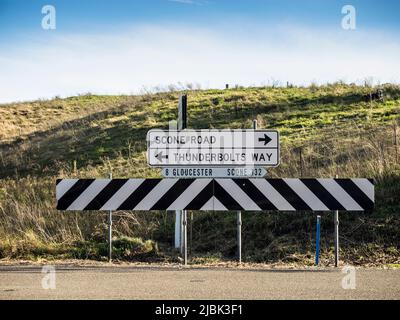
(325, 131)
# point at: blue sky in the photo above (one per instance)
(121, 46)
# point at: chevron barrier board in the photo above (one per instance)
(215, 194)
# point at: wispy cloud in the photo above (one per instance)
(195, 2)
(161, 55)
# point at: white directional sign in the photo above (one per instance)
(187, 172)
(227, 148)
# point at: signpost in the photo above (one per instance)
(181, 216)
(317, 240)
(336, 223)
(336, 235)
(205, 148)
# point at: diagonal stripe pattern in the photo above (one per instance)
(215, 194)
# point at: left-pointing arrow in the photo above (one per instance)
(159, 156)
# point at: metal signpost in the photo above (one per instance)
(336, 235)
(182, 125)
(239, 235)
(239, 213)
(180, 222)
(317, 240)
(336, 222)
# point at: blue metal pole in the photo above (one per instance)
(317, 240)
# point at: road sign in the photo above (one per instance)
(216, 194)
(227, 148)
(213, 172)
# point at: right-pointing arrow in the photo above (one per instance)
(266, 139)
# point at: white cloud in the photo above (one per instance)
(160, 55)
(196, 2)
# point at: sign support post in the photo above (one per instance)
(181, 215)
(177, 229)
(336, 221)
(239, 235)
(110, 232)
(184, 234)
(317, 241)
(181, 125)
(239, 219)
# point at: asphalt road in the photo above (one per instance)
(127, 282)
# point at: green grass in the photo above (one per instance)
(336, 128)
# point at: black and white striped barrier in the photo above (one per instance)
(215, 194)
